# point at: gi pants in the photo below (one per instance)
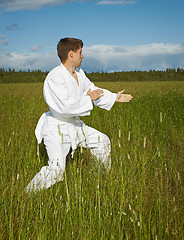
(58, 146)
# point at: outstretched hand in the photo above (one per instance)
(123, 97)
(95, 94)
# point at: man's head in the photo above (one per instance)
(67, 45)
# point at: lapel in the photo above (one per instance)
(71, 83)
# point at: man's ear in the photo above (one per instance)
(70, 54)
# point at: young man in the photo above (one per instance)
(69, 95)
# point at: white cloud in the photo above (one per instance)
(3, 41)
(2, 36)
(12, 27)
(36, 48)
(25, 61)
(14, 5)
(142, 57)
(158, 56)
(115, 2)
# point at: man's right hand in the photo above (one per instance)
(95, 94)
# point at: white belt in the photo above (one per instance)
(74, 121)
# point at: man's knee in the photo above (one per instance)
(106, 141)
(57, 164)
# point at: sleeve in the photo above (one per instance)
(59, 99)
(107, 101)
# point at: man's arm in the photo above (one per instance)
(103, 98)
(96, 94)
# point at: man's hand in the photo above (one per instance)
(95, 94)
(123, 97)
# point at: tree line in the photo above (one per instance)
(36, 76)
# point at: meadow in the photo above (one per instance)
(141, 197)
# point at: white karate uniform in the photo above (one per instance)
(61, 128)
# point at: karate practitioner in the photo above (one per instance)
(70, 94)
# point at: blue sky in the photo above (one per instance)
(119, 35)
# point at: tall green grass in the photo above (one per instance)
(140, 198)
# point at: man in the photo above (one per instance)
(69, 95)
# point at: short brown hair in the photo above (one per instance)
(67, 44)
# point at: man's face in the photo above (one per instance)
(77, 57)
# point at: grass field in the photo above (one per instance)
(140, 198)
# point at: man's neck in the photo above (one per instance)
(69, 67)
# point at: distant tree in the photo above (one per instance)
(178, 70)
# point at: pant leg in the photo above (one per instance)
(100, 146)
(57, 152)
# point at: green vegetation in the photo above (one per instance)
(139, 76)
(140, 198)
(11, 76)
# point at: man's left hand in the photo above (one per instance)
(123, 97)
